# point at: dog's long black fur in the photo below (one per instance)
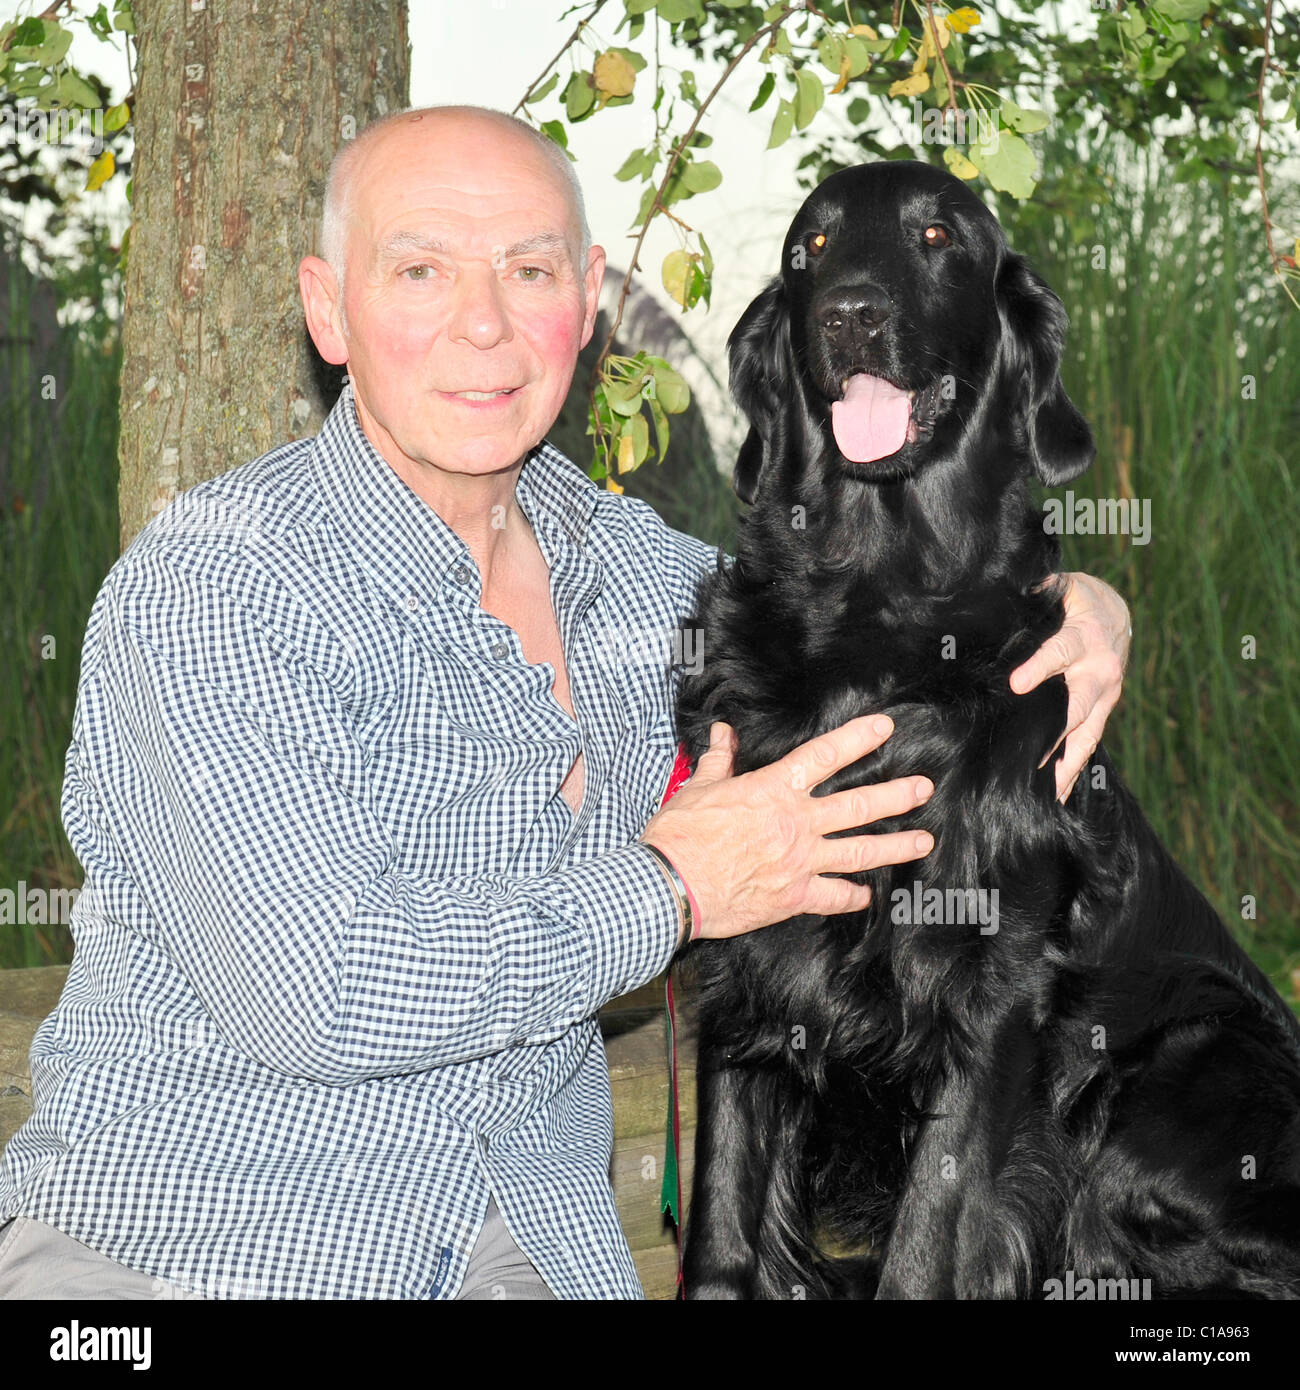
(1103, 1088)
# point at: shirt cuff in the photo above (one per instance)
(633, 924)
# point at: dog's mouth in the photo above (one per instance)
(875, 418)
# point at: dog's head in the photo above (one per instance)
(900, 327)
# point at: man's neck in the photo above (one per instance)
(481, 509)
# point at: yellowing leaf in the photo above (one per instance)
(846, 67)
(101, 171)
(626, 454)
(961, 21)
(610, 484)
(615, 76)
(676, 274)
(929, 47)
(910, 86)
(958, 163)
(864, 31)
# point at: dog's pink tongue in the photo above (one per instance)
(871, 421)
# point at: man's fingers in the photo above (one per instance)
(1062, 649)
(713, 763)
(814, 761)
(854, 853)
(857, 806)
(1080, 745)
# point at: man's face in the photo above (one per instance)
(465, 310)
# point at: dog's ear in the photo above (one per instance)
(761, 380)
(1057, 438)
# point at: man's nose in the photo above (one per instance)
(849, 311)
(478, 315)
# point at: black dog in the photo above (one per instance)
(1088, 1079)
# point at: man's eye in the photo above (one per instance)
(418, 272)
(531, 274)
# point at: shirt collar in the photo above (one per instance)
(402, 539)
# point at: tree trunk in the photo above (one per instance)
(240, 108)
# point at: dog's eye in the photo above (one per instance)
(936, 236)
(815, 242)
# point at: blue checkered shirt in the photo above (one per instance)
(342, 942)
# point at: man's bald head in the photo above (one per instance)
(350, 158)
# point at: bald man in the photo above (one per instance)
(364, 777)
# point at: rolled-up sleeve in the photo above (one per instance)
(237, 789)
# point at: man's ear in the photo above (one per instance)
(1057, 440)
(761, 381)
(593, 278)
(320, 304)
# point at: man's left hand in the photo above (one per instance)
(1090, 651)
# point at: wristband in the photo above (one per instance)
(688, 910)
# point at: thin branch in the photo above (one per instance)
(680, 148)
(1274, 259)
(951, 103)
(564, 48)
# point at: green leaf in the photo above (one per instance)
(858, 54)
(765, 89)
(662, 432)
(674, 11)
(707, 255)
(123, 17)
(701, 176)
(544, 90)
(117, 116)
(100, 25)
(579, 96)
(830, 49)
(900, 45)
(859, 110)
(632, 56)
(71, 90)
(624, 397)
(770, 14)
(781, 42)
(634, 7)
(1026, 120)
(810, 99)
(1008, 164)
(1133, 24)
(636, 165)
(782, 124)
(556, 131)
(671, 391)
(1174, 10)
(52, 42)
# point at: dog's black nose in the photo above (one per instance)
(861, 308)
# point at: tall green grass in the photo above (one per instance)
(58, 537)
(1183, 355)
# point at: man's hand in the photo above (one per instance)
(1091, 651)
(753, 848)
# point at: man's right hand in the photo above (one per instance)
(753, 848)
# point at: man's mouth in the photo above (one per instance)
(874, 418)
(483, 395)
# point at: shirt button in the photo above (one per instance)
(461, 574)
(500, 651)
(412, 603)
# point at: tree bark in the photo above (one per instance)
(240, 107)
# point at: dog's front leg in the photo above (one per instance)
(952, 1236)
(745, 1234)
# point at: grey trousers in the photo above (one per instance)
(36, 1262)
